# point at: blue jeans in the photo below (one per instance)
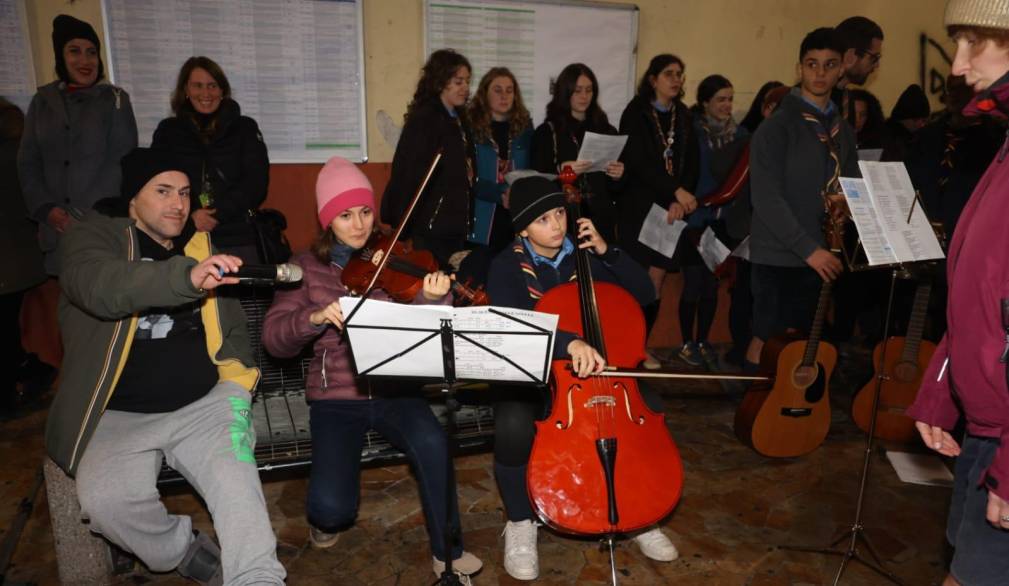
(338, 433)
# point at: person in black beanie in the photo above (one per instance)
(909, 115)
(542, 257)
(159, 365)
(76, 131)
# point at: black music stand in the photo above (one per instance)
(449, 384)
(856, 532)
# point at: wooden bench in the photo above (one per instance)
(283, 442)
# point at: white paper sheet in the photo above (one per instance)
(527, 340)
(658, 234)
(522, 344)
(926, 469)
(892, 198)
(713, 252)
(880, 203)
(877, 248)
(742, 249)
(601, 149)
(373, 346)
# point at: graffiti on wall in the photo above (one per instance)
(935, 66)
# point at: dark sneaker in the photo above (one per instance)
(708, 355)
(202, 561)
(690, 354)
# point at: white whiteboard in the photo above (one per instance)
(295, 66)
(536, 40)
(17, 74)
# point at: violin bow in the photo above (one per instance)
(613, 371)
(396, 235)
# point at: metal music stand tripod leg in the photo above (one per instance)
(452, 532)
(856, 532)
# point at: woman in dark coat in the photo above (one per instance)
(435, 119)
(76, 131)
(208, 126)
(662, 159)
(21, 374)
(573, 111)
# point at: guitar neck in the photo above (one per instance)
(816, 330)
(916, 323)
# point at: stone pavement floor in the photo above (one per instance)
(737, 507)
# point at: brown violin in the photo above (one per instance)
(602, 462)
(404, 273)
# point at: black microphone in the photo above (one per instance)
(267, 274)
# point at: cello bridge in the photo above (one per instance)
(601, 400)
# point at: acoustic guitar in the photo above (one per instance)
(791, 416)
(906, 360)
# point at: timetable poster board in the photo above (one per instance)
(295, 66)
(17, 72)
(536, 40)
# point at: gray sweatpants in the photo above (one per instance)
(210, 442)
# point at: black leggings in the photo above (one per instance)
(699, 299)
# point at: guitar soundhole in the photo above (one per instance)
(805, 376)
(905, 372)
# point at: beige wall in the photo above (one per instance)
(748, 41)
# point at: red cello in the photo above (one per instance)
(602, 463)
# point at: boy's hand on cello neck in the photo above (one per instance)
(588, 237)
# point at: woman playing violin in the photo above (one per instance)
(341, 410)
(541, 258)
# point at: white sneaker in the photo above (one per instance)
(521, 559)
(656, 546)
(651, 362)
(462, 567)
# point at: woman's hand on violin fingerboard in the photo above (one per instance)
(585, 359)
(329, 315)
(588, 237)
(436, 286)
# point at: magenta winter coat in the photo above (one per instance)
(965, 374)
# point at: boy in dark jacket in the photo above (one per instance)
(543, 257)
(796, 157)
(156, 366)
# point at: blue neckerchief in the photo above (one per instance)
(451, 111)
(538, 259)
(661, 108)
(828, 111)
(340, 254)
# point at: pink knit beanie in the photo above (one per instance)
(341, 186)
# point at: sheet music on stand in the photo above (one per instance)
(892, 226)
(490, 343)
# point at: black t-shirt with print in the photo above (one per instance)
(168, 366)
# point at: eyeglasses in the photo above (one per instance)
(875, 57)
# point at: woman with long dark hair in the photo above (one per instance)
(572, 111)
(661, 157)
(208, 126)
(435, 120)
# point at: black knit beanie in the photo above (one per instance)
(141, 164)
(530, 198)
(65, 29)
(912, 104)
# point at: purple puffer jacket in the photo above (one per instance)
(287, 330)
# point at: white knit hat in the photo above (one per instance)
(983, 13)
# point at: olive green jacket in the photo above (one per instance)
(105, 287)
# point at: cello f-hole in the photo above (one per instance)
(571, 410)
